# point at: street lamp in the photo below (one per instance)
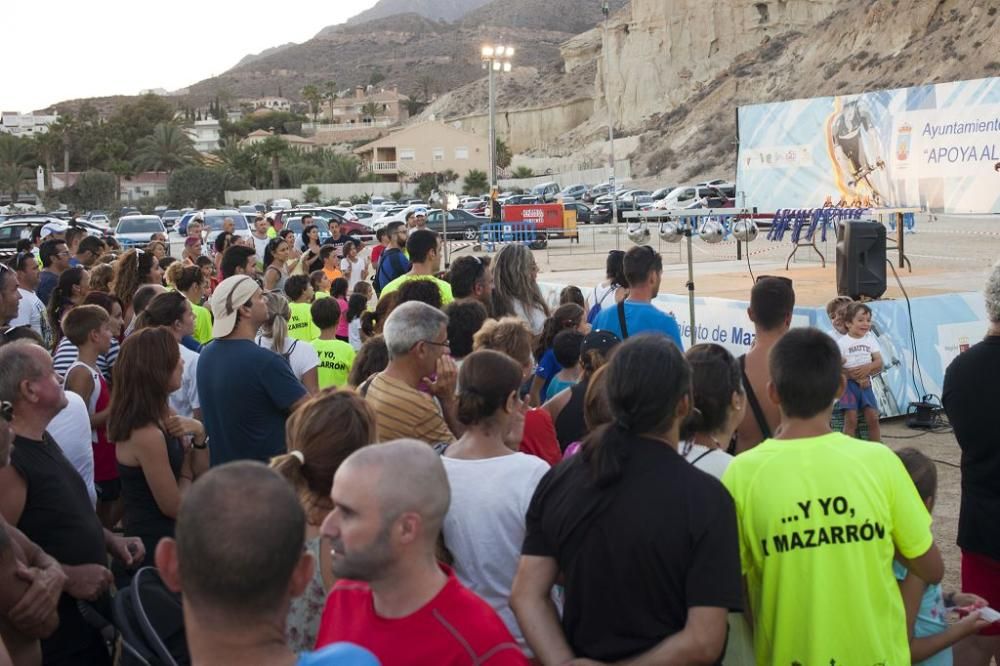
(495, 59)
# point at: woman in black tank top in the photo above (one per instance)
(154, 467)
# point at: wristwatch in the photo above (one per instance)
(202, 446)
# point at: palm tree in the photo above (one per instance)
(523, 172)
(166, 149)
(475, 182)
(274, 148)
(370, 110)
(330, 91)
(15, 164)
(313, 97)
(48, 146)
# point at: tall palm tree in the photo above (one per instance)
(313, 97)
(274, 148)
(475, 182)
(166, 149)
(48, 146)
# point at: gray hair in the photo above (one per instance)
(16, 366)
(992, 292)
(410, 323)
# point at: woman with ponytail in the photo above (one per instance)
(132, 270)
(72, 287)
(320, 435)
(647, 545)
(719, 404)
(300, 356)
(491, 483)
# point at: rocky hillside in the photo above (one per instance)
(570, 16)
(679, 70)
(446, 10)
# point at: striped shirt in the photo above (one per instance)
(404, 412)
(66, 355)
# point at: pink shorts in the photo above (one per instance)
(981, 575)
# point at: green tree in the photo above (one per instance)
(166, 149)
(311, 193)
(274, 148)
(313, 98)
(196, 186)
(475, 182)
(504, 156)
(330, 91)
(376, 77)
(48, 147)
(426, 183)
(15, 165)
(370, 110)
(96, 190)
(523, 172)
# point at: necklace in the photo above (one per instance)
(689, 444)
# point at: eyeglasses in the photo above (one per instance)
(446, 343)
(6, 411)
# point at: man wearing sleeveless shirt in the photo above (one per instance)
(43, 495)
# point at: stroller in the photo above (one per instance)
(149, 620)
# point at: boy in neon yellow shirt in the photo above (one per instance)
(335, 356)
(820, 517)
(300, 296)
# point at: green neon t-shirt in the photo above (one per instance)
(335, 360)
(202, 324)
(444, 287)
(301, 326)
(819, 519)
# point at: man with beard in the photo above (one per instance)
(392, 596)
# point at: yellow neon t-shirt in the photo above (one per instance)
(301, 326)
(335, 360)
(443, 287)
(818, 520)
(202, 324)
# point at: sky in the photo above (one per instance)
(115, 47)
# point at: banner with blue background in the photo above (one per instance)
(935, 147)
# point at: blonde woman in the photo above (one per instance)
(301, 356)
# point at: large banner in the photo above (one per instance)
(935, 147)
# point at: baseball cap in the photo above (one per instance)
(602, 341)
(53, 228)
(226, 301)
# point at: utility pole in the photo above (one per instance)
(611, 118)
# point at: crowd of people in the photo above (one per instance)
(344, 456)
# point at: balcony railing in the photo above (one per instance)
(383, 167)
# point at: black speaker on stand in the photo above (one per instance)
(861, 259)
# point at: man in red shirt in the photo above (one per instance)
(392, 596)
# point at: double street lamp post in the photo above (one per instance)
(495, 59)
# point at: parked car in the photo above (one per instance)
(17, 227)
(461, 223)
(596, 192)
(93, 228)
(574, 192)
(349, 224)
(584, 213)
(170, 217)
(662, 192)
(214, 217)
(546, 192)
(99, 216)
(695, 195)
(137, 230)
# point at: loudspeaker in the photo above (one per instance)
(861, 259)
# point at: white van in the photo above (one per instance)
(282, 204)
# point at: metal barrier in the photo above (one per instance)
(504, 233)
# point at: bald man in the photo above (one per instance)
(392, 596)
(238, 558)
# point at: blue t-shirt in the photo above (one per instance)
(245, 393)
(391, 265)
(548, 367)
(930, 619)
(47, 281)
(639, 318)
(338, 654)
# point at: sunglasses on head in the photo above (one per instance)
(6, 411)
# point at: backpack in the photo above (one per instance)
(595, 309)
(394, 263)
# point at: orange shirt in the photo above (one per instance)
(333, 274)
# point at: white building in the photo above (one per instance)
(205, 134)
(25, 124)
(273, 103)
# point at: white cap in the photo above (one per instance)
(53, 228)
